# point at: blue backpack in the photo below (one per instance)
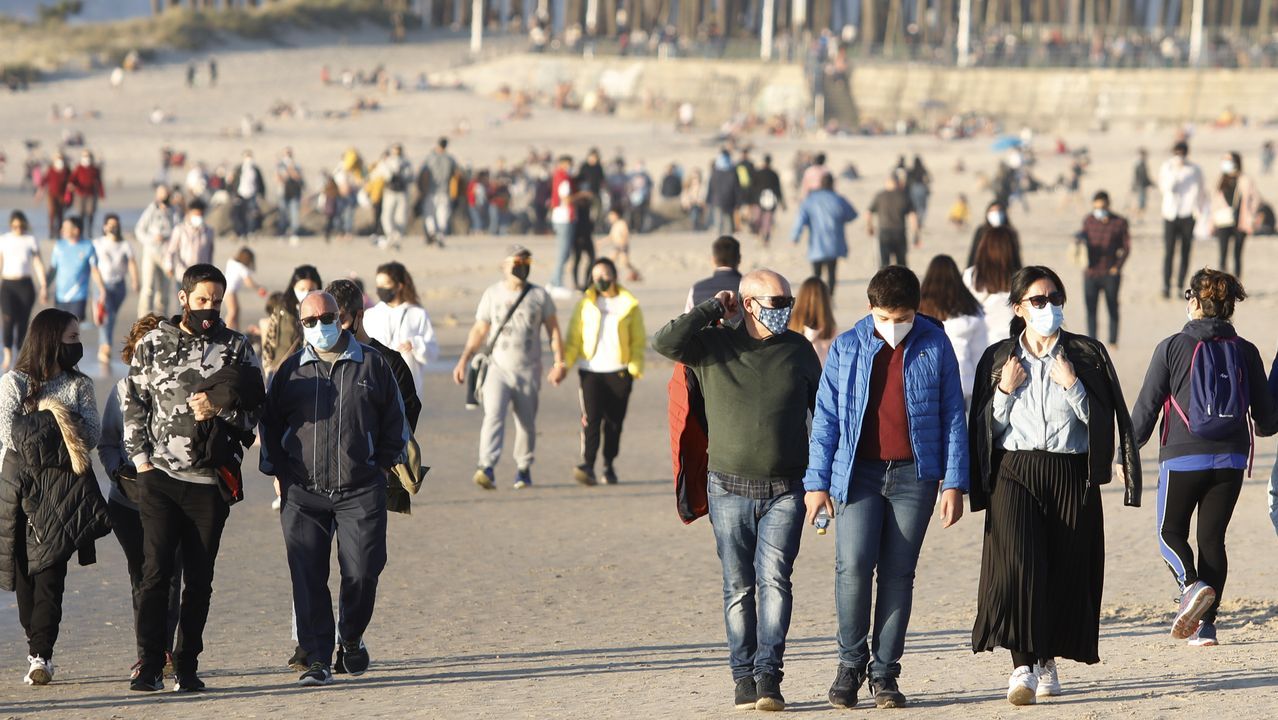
(1219, 396)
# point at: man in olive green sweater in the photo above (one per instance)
(760, 382)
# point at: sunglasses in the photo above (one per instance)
(1041, 301)
(325, 319)
(775, 302)
(1190, 294)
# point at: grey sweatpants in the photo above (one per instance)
(504, 389)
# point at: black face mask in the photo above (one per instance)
(69, 355)
(386, 295)
(202, 322)
(603, 286)
(520, 271)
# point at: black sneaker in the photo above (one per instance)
(886, 693)
(609, 476)
(746, 695)
(187, 682)
(316, 675)
(147, 680)
(351, 658)
(298, 662)
(769, 688)
(847, 683)
(584, 475)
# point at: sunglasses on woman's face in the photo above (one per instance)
(325, 319)
(774, 302)
(1041, 301)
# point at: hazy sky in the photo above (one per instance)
(94, 10)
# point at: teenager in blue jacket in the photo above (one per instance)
(889, 432)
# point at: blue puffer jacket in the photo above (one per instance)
(933, 402)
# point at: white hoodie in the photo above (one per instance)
(969, 337)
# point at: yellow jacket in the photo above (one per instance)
(583, 331)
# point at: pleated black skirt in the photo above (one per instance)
(1043, 563)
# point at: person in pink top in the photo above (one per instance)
(813, 175)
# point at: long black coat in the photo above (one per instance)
(48, 491)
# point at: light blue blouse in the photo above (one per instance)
(1040, 414)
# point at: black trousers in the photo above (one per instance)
(1092, 289)
(1226, 236)
(829, 267)
(604, 399)
(583, 248)
(39, 597)
(892, 247)
(127, 525)
(1213, 493)
(1178, 238)
(176, 513)
(310, 519)
(17, 297)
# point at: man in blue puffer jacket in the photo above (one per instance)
(888, 433)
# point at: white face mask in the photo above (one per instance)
(301, 294)
(893, 333)
(1228, 167)
(994, 218)
(1046, 321)
(1189, 310)
(197, 220)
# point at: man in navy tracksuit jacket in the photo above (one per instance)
(332, 429)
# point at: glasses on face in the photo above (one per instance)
(325, 319)
(774, 302)
(1041, 301)
(1190, 294)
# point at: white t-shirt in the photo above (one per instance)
(562, 213)
(607, 357)
(113, 259)
(18, 251)
(998, 314)
(237, 273)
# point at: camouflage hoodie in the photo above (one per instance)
(168, 364)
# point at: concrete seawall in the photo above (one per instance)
(1048, 99)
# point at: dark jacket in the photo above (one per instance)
(722, 189)
(398, 498)
(48, 491)
(1105, 403)
(1168, 375)
(331, 428)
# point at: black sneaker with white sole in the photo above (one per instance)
(746, 695)
(886, 693)
(186, 682)
(609, 476)
(316, 675)
(351, 658)
(147, 680)
(769, 689)
(847, 684)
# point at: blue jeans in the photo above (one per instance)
(880, 527)
(757, 541)
(563, 249)
(115, 293)
(291, 215)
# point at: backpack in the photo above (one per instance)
(1219, 394)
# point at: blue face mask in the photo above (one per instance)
(323, 337)
(1046, 320)
(775, 319)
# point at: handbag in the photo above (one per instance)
(478, 369)
(1225, 217)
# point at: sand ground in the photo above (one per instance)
(564, 601)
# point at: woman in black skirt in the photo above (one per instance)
(1044, 407)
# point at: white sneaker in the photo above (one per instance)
(1022, 686)
(41, 672)
(1049, 681)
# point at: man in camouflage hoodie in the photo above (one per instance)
(180, 501)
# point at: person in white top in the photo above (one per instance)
(21, 272)
(240, 274)
(399, 321)
(998, 257)
(152, 231)
(1184, 197)
(118, 266)
(813, 316)
(945, 298)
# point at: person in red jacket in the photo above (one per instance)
(54, 186)
(86, 186)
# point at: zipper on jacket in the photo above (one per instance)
(34, 531)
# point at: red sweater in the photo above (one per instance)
(87, 181)
(885, 430)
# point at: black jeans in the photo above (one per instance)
(127, 525)
(17, 297)
(828, 267)
(583, 247)
(310, 519)
(39, 596)
(173, 513)
(604, 399)
(892, 247)
(1092, 288)
(1224, 236)
(1178, 232)
(1213, 493)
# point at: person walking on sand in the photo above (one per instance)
(241, 273)
(888, 435)
(813, 316)
(337, 404)
(74, 264)
(55, 186)
(946, 298)
(770, 198)
(23, 272)
(437, 205)
(153, 230)
(1044, 411)
(247, 188)
(1202, 456)
(399, 321)
(1107, 244)
(897, 220)
(989, 279)
(508, 324)
(1184, 195)
(759, 381)
(1234, 204)
(86, 189)
(191, 243)
(725, 257)
(563, 200)
(824, 213)
(292, 184)
(619, 236)
(397, 174)
(119, 272)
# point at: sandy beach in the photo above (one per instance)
(571, 602)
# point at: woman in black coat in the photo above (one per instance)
(50, 504)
